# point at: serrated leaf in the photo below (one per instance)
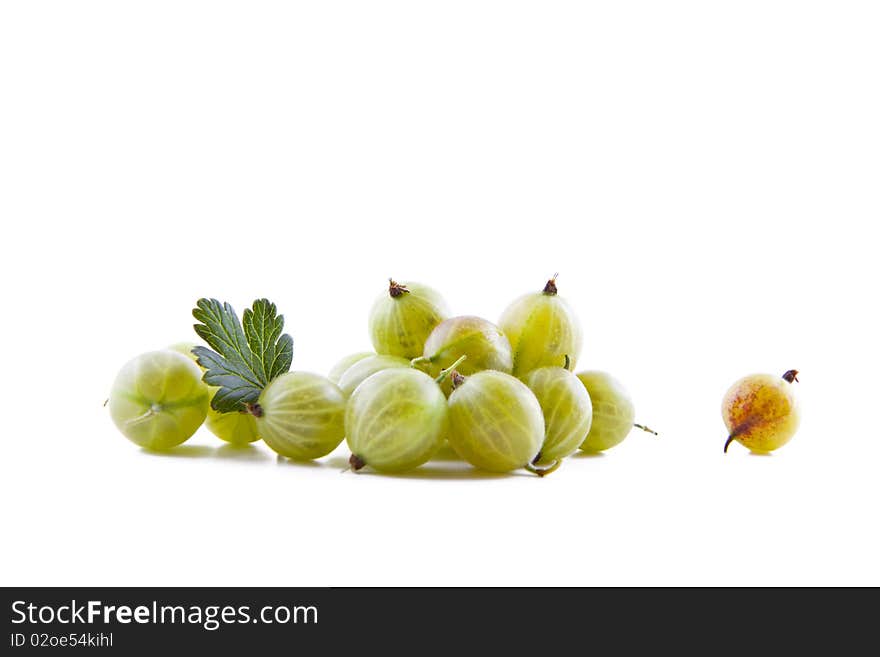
(243, 357)
(262, 327)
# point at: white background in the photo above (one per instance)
(703, 175)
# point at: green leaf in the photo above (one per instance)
(262, 327)
(243, 359)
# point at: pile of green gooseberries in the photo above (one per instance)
(510, 398)
(502, 395)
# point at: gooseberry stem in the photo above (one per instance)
(254, 409)
(730, 439)
(356, 462)
(444, 373)
(644, 428)
(396, 289)
(415, 362)
(550, 288)
(791, 376)
(543, 472)
(567, 365)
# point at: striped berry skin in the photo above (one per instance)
(481, 341)
(542, 328)
(496, 423)
(403, 317)
(301, 415)
(613, 411)
(344, 364)
(395, 420)
(567, 409)
(365, 368)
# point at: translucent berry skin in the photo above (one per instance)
(158, 399)
(396, 420)
(399, 324)
(485, 346)
(495, 422)
(542, 329)
(365, 368)
(761, 412)
(567, 409)
(184, 348)
(301, 415)
(613, 411)
(340, 368)
(236, 428)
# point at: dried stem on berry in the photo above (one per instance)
(396, 289)
(543, 471)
